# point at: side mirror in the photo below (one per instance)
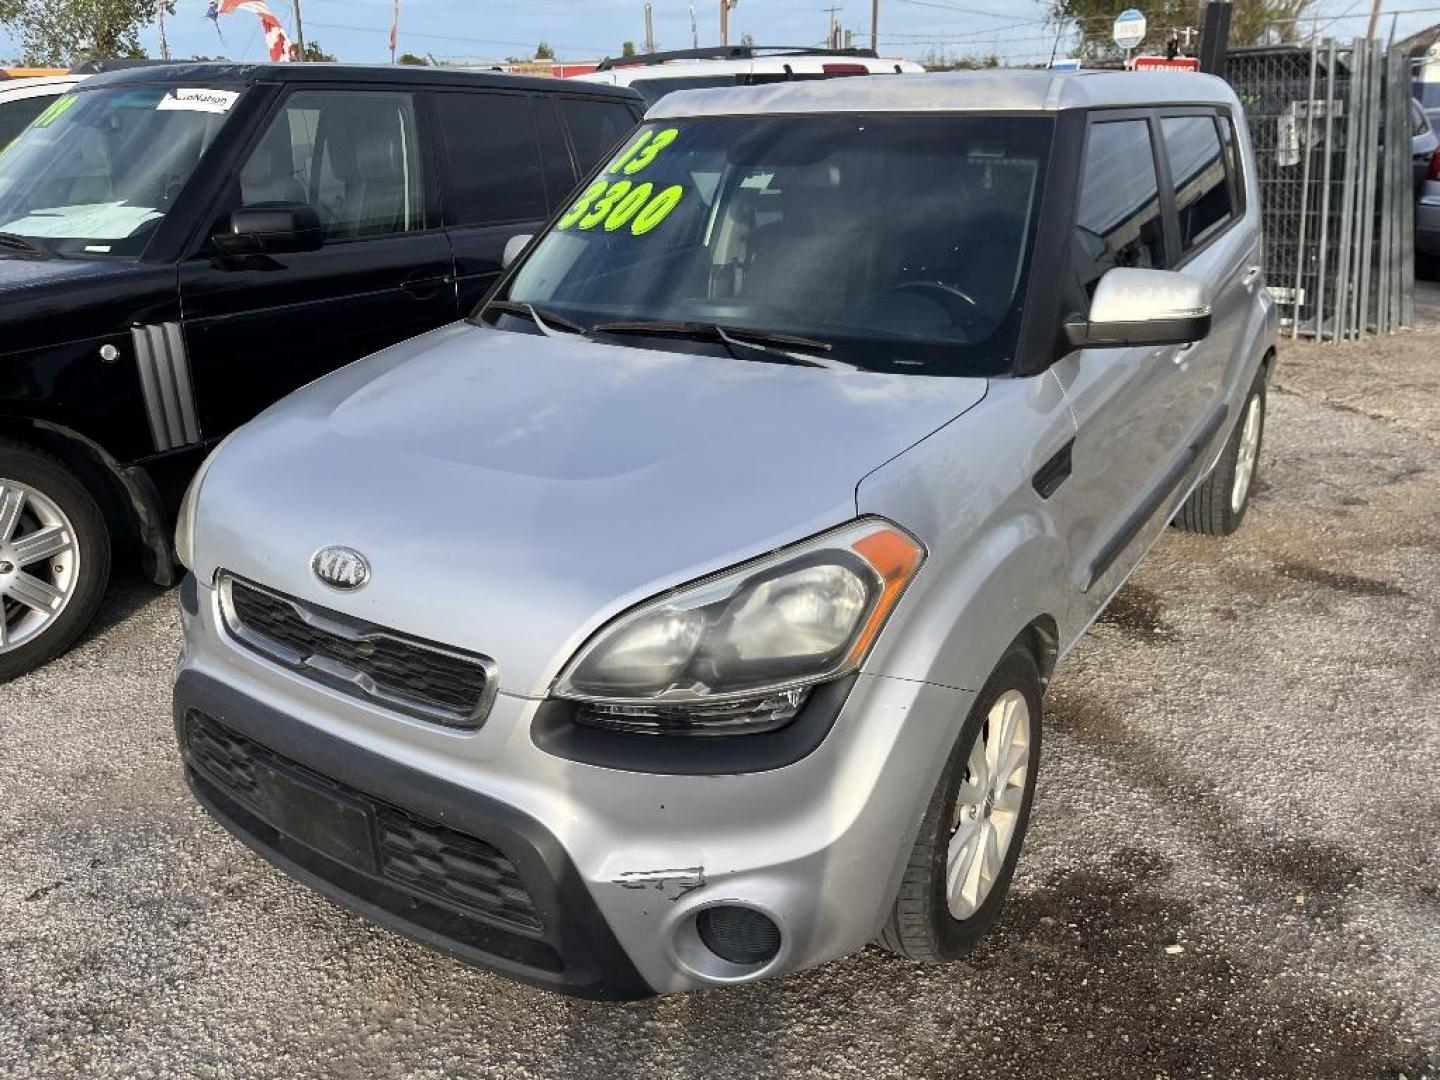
(271, 229)
(513, 248)
(1142, 307)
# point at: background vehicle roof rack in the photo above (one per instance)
(727, 52)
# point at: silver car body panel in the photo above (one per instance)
(593, 476)
(513, 492)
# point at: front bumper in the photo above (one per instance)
(615, 864)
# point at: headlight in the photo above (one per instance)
(185, 520)
(736, 652)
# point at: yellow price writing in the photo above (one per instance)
(622, 203)
(643, 151)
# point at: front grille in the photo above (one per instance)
(404, 673)
(421, 857)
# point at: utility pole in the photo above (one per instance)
(649, 30)
(299, 30)
(1374, 17)
(875, 25)
(725, 6)
(164, 45)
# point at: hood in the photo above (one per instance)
(512, 492)
(46, 301)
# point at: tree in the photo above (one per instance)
(412, 59)
(747, 40)
(314, 54)
(627, 48)
(64, 32)
(543, 51)
(1252, 22)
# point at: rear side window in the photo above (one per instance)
(559, 170)
(1118, 220)
(1197, 169)
(595, 128)
(15, 116)
(494, 173)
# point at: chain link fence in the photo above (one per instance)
(1331, 127)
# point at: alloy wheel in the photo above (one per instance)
(39, 563)
(1249, 453)
(987, 806)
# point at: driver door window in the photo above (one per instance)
(355, 157)
(1118, 220)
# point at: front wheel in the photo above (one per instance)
(54, 558)
(974, 824)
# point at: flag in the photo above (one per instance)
(276, 39)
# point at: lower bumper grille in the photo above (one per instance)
(423, 858)
(395, 670)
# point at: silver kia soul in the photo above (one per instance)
(684, 617)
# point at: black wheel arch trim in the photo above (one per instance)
(131, 486)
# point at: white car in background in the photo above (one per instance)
(23, 99)
(654, 75)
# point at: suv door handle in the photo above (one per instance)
(424, 287)
(1252, 275)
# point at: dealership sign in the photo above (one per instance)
(1129, 28)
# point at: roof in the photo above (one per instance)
(60, 82)
(205, 74)
(959, 91)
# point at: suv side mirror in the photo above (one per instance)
(271, 229)
(1142, 307)
(513, 248)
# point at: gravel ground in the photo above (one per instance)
(1232, 868)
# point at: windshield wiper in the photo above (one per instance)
(20, 244)
(547, 321)
(764, 341)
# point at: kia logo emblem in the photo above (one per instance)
(341, 568)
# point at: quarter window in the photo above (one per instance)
(494, 174)
(1197, 169)
(595, 128)
(353, 156)
(1119, 220)
(15, 116)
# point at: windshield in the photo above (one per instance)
(96, 171)
(900, 241)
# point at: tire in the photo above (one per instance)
(50, 587)
(1217, 506)
(922, 926)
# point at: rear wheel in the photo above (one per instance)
(54, 558)
(974, 824)
(1218, 505)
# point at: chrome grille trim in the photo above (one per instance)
(164, 369)
(346, 678)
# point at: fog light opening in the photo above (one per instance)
(738, 935)
(726, 942)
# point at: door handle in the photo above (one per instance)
(424, 287)
(1252, 275)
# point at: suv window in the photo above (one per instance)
(15, 115)
(494, 172)
(1118, 219)
(1232, 161)
(1197, 169)
(595, 127)
(354, 156)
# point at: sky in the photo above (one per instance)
(357, 30)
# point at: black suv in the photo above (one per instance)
(180, 246)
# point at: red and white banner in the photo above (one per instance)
(276, 40)
(1165, 63)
